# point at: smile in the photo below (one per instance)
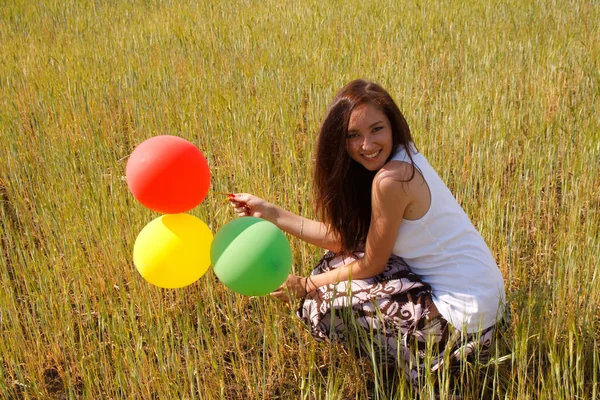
(372, 155)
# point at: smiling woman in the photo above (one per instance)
(406, 270)
(369, 139)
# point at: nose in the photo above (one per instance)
(367, 143)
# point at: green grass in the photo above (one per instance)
(502, 99)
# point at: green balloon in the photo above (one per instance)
(251, 256)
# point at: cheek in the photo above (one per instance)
(389, 138)
(351, 147)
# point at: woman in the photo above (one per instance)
(407, 277)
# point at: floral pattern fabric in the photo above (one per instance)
(391, 317)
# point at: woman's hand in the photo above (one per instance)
(293, 288)
(247, 205)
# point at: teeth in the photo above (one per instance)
(372, 155)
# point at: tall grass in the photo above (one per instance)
(502, 99)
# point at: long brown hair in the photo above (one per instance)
(342, 187)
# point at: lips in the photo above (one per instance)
(370, 156)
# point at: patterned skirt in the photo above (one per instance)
(391, 318)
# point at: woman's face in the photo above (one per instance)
(369, 137)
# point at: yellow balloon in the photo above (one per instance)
(173, 250)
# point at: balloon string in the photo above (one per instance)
(229, 196)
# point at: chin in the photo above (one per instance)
(372, 167)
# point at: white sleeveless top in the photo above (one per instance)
(447, 252)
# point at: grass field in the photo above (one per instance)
(502, 98)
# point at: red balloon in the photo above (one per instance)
(168, 174)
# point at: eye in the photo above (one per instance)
(352, 135)
(377, 128)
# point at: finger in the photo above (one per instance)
(279, 295)
(240, 209)
(243, 211)
(281, 290)
(283, 298)
(240, 197)
(278, 291)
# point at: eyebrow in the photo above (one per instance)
(370, 126)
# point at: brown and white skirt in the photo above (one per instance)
(390, 317)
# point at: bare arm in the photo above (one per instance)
(391, 195)
(310, 231)
(389, 200)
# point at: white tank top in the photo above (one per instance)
(447, 252)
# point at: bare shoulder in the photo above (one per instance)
(392, 190)
(399, 170)
(401, 186)
(395, 175)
